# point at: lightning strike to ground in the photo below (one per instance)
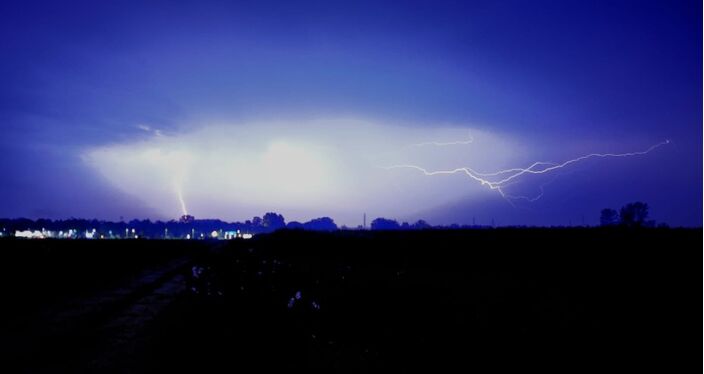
(180, 199)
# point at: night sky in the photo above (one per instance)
(124, 109)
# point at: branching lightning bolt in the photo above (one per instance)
(529, 199)
(539, 167)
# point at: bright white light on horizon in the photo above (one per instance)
(29, 234)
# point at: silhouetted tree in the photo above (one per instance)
(634, 214)
(294, 225)
(256, 221)
(272, 221)
(420, 225)
(609, 217)
(384, 224)
(321, 224)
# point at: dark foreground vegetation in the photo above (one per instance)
(610, 299)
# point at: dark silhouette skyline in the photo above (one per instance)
(188, 227)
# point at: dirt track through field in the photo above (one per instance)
(102, 331)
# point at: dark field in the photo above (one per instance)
(480, 300)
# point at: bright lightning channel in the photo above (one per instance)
(539, 167)
(180, 199)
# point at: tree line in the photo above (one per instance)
(630, 215)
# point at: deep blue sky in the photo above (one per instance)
(562, 78)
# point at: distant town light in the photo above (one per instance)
(214, 234)
(29, 234)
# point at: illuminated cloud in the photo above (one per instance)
(338, 168)
(302, 169)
